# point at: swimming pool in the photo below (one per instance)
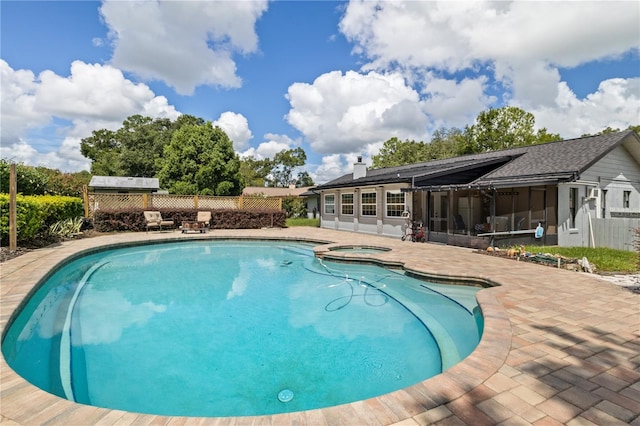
(93, 317)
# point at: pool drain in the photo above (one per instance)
(285, 395)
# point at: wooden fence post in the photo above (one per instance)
(195, 201)
(145, 201)
(85, 200)
(13, 210)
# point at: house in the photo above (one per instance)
(123, 185)
(575, 192)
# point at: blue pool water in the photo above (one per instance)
(227, 328)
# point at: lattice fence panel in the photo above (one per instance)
(166, 201)
(260, 203)
(218, 203)
(114, 202)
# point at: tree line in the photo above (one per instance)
(494, 129)
(191, 156)
(188, 156)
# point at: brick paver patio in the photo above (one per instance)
(559, 347)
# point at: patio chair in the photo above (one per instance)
(518, 223)
(204, 220)
(458, 223)
(154, 220)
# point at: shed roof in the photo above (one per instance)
(122, 182)
(548, 163)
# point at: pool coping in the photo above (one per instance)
(436, 397)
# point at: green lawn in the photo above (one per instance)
(303, 221)
(605, 259)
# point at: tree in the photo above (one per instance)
(135, 149)
(395, 152)
(200, 160)
(446, 143)
(542, 136)
(610, 130)
(142, 140)
(255, 172)
(29, 180)
(304, 180)
(284, 164)
(501, 128)
(67, 184)
(103, 149)
(494, 129)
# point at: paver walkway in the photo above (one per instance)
(559, 347)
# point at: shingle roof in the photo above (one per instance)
(533, 164)
(119, 182)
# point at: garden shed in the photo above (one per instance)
(123, 185)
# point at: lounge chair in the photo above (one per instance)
(154, 220)
(204, 220)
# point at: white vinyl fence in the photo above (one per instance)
(616, 233)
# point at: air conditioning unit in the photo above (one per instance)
(593, 194)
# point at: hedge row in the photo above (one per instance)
(133, 220)
(37, 212)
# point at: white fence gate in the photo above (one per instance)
(615, 233)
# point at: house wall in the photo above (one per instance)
(380, 224)
(615, 173)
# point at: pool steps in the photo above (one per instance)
(65, 338)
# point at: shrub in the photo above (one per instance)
(35, 213)
(67, 228)
(295, 206)
(637, 245)
(29, 217)
(29, 181)
(248, 219)
(58, 208)
(133, 220)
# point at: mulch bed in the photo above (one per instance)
(35, 244)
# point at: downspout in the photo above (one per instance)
(593, 243)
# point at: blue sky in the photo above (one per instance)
(335, 78)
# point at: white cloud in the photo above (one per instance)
(92, 97)
(236, 127)
(616, 103)
(342, 113)
(459, 35)
(184, 44)
(18, 103)
(514, 45)
(274, 144)
(336, 165)
(451, 103)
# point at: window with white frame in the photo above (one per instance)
(368, 203)
(329, 203)
(573, 206)
(626, 198)
(395, 203)
(346, 203)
